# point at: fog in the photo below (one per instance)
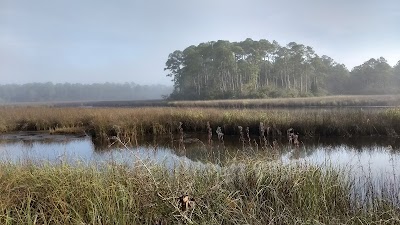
(66, 92)
(98, 41)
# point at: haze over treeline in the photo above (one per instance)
(46, 92)
(258, 69)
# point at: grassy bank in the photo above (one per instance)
(131, 123)
(325, 101)
(254, 193)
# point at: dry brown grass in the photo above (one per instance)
(325, 101)
(131, 123)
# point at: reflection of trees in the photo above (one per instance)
(198, 149)
(195, 147)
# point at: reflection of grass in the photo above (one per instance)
(242, 192)
(326, 101)
(67, 130)
(131, 123)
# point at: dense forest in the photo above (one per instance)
(45, 92)
(259, 69)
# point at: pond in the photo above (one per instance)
(370, 157)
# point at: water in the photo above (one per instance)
(43, 148)
(370, 157)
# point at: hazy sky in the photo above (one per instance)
(91, 41)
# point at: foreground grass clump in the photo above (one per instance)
(245, 192)
(133, 123)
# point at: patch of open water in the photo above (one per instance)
(370, 158)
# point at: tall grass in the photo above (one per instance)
(325, 101)
(133, 123)
(243, 192)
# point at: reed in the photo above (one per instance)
(242, 192)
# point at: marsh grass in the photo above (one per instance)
(325, 101)
(242, 192)
(130, 124)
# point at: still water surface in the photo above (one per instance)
(373, 157)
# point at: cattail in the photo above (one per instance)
(262, 131)
(290, 135)
(275, 145)
(296, 140)
(220, 134)
(209, 129)
(181, 145)
(256, 144)
(241, 138)
(248, 135)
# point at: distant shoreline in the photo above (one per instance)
(344, 101)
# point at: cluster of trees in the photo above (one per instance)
(45, 92)
(257, 69)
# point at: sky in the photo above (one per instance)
(96, 41)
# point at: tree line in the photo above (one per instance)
(45, 92)
(258, 69)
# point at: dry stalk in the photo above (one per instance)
(209, 130)
(190, 201)
(117, 139)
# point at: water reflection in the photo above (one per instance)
(374, 161)
(373, 155)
